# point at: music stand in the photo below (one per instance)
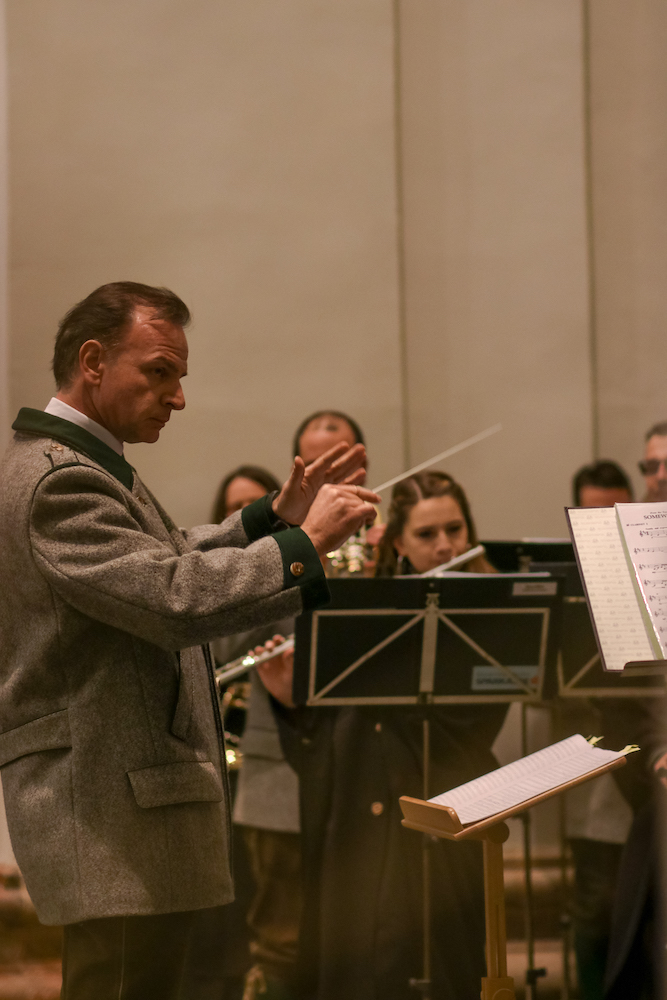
(516, 556)
(460, 639)
(439, 820)
(579, 668)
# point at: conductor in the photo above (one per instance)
(111, 743)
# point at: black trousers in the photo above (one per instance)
(133, 958)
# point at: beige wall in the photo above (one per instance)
(628, 72)
(241, 153)
(4, 330)
(495, 237)
(245, 154)
(6, 853)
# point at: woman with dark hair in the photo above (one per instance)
(241, 487)
(361, 932)
(266, 810)
(429, 523)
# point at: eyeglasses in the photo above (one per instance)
(651, 466)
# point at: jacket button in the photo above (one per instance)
(57, 447)
(297, 569)
(377, 808)
(378, 727)
(143, 501)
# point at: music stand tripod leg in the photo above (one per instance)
(496, 985)
(424, 984)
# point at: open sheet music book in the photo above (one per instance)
(622, 556)
(539, 773)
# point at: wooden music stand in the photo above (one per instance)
(442, 821)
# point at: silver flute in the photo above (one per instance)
(236, 668)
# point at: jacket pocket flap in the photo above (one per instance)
(182, 781)
(51, 732)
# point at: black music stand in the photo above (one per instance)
(579, 670)
(516, 556)
(459, 639)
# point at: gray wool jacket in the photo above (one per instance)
(111, 744)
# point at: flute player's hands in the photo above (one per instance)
(341, 464)
(277, 674)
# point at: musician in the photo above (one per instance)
(597, 816)
(321, 431)
(227, 932)
(110, 736)
(636, 964)
(653, 466)
(362, 928)
(601, 484)
(241, 487)
(267, 800)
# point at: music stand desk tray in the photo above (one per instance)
(442, 821)
(408, 640)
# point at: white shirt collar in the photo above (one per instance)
(59, 409)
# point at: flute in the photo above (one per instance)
(236, 668)
(478, 550)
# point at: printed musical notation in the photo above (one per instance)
(618, 619)
(647, 522)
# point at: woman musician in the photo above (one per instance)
(361, 933)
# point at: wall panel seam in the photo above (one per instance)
(400, 239)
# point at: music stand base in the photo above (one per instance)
(422, 986)
(498, 988)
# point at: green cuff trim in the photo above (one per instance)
(302, 568)
(258, 518)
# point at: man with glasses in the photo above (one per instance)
(654, 464)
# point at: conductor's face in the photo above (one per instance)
(135, 387)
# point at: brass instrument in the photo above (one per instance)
(353, 558)
(235, 696)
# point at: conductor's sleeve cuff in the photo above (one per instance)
(258, 518)
(302, 568)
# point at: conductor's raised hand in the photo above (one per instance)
(338, 511)
(341, 464)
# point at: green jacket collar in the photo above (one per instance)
(48, 425)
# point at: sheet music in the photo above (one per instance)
(644, 526)
(513, 784)
(613, 601)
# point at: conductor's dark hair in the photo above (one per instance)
(407, 495)
(605, 474)
(354, 427)
(105, 315)
(253, 472)
(658, 430)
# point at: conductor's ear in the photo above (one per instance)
(91, 363)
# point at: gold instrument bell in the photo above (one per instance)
(355, 557)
